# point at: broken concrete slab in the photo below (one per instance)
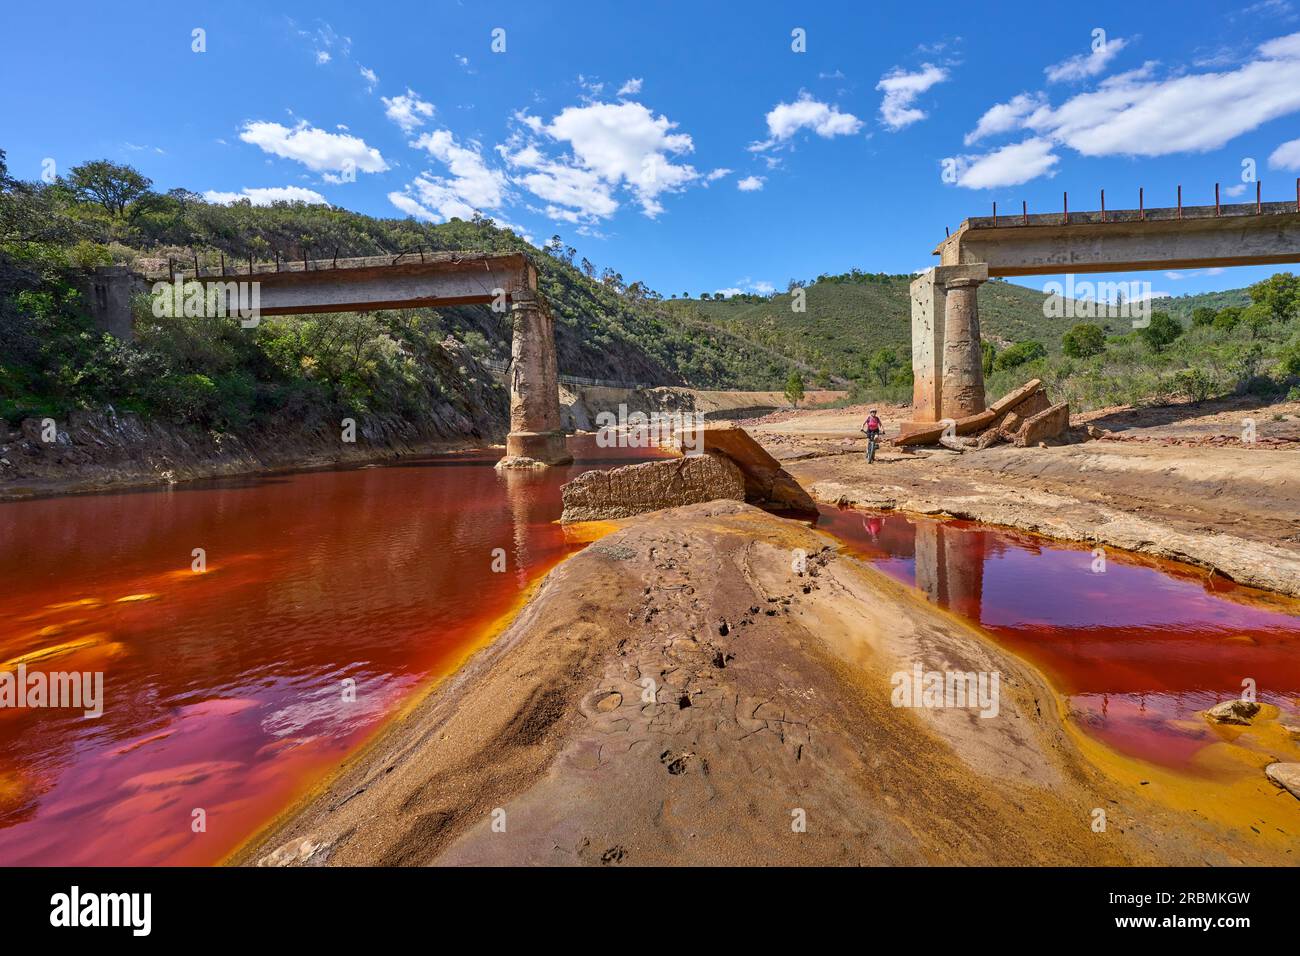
(1048, 425)
(650, 486)
(766, 482)
(1027, 396)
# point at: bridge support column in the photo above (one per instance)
(947, 363)
(963, 358)
(535, 435)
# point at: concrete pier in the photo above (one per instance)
(947, 363)
(535, 434)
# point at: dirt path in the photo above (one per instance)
(1175, 482)
(680, 693)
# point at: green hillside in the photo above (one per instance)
(848, 319)
(1182, 306)
(854, 329)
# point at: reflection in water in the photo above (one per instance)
(224, 689)
(224, 693)
(1139, 649)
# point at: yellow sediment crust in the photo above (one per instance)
(1234, 792)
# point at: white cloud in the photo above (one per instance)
(592, 87)
(1179, 276)
(750, 184)
(264, 196)
(372, 80)
(322, 57)
(1008, 166)
(786, 119)
(612, 145)
(472, 185)
(716, 174)
(730, 292)
(1084, 65)
(1136, 114)
(764, 288)
(1235, 190)
(630, 88)
(1187, 113)
(316, 149)
(412, 208)
(1005, 116)
(901, 90)
(408, 111)
(1286, 156)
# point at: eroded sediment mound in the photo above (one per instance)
(691, 690)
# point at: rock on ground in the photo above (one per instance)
(766, 481)
(635, 489)
(1233, 712)
(1286, 776)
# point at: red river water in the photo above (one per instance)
(330, 596)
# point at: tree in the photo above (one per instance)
(990, 353)
(112, 185)
(1227, 318)
(1083, 340)
(1280, 294)
(794, 389)
(1019, 354)
(1257, 318)
(882, 364)
(1203, 316)
(1161, 331)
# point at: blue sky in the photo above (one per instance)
(687, 145)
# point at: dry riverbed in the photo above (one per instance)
(1175, 482)
(683, 691)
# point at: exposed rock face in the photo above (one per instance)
(635, 489)
(97, 449)
(1233, 712)
(1286, 776)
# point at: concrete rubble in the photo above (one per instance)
(636, 489)
(724, 462)
(1024, 417)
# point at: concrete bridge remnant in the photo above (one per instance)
(947, 360)
(507, 282)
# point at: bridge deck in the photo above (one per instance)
(409, 280)
(1122, 240)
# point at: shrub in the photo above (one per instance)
(1194, 383)
(191, 397)
(1019, 354)
(1227, 319)
(1084, 340)
(1161, 331)
(990, 352)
